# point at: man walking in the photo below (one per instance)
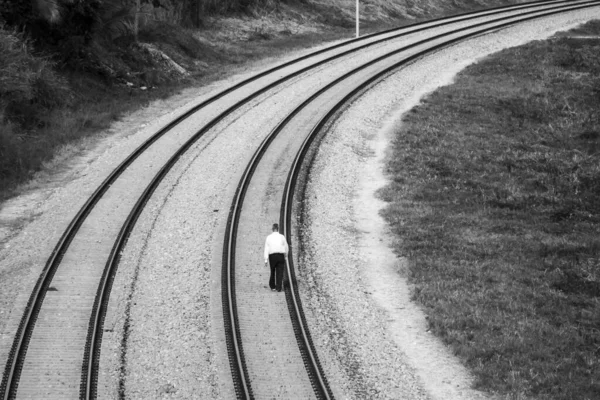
(276, 250)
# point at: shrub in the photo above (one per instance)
(29, 87)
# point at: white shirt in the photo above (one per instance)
(275, 243)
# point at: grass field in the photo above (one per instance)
(495, 201)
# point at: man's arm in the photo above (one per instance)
(266, 250)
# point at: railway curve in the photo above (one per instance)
(69, 288)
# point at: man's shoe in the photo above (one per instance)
(272, 290)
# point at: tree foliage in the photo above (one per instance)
(29, 86)
(68, 28)
(51, 21)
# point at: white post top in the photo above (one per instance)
(357, 18)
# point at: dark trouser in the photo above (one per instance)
(277, 263)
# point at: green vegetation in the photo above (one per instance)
(44, 105)
(495, 202)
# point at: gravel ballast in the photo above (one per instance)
(371, 339)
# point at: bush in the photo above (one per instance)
(29, 87)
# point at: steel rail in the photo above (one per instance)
(12, 369)
(95, 331)
(32, 309)
(19, 346)
(229, 247)
(288, 198)
(23, 334)
(321, 387)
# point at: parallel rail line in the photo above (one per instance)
(11, 374)
(314, 369)
(10, 380)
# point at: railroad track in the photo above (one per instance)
(251, 280)
(79, 280)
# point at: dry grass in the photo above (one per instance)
(494, 200)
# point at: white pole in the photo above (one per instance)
(357, 18)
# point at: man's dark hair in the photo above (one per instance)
(276, 227)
